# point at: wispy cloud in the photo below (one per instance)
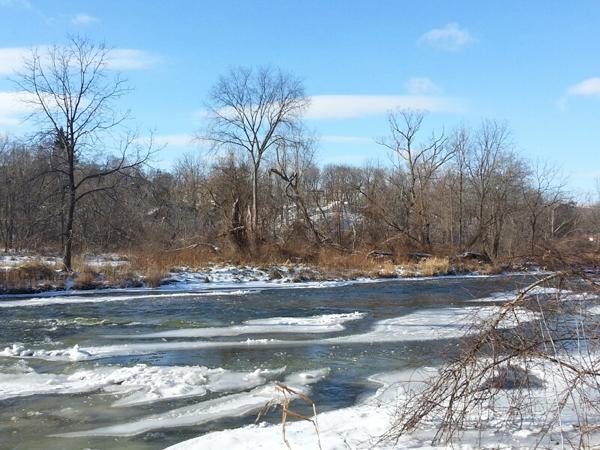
(422, 86)
(12, 59)
(345, 139)
(14, 107)
(174, 140)
(353, 106)
(589, 87)
(450, 38)
(131, 59)
(22, 4)
(84, 19)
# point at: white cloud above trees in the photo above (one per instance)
(451, 38)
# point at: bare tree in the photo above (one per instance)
(461, 143)
(292, 161)
(541, 194)
(420, 162)
(253, 111)
(491, 144)
(74, 98)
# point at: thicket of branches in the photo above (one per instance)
(262, 185)
(475, 196)
(533, 364)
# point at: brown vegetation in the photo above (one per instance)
(262, 197)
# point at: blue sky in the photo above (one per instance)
(535, 64)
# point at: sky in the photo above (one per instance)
(533, 64)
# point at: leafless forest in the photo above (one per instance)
(83, 179)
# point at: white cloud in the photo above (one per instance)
(13, 107)
(346, 139)
(84, 19)
(352, 106)
(131, 59)
(588, 88)
(449, 38)
(12, 59)
(174, 140)
(422, 86)
(23, 4)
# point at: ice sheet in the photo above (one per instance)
(235, 405)
(326, 323)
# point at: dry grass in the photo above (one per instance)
(435, 266)
(33, 275)
(358, 264)
(151, 266)
(385, 270)
(153, 277)
(87, 278)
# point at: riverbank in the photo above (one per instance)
(35, 274)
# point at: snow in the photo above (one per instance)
(356, 427)
(234, 405)
(13, 260)
(428, 324)
(317, 324)
(511, 295)
(364, 425)
(139, 384)
(594, 310)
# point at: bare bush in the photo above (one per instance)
(533, 364)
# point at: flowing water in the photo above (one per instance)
(145, 362)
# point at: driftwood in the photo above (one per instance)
(213, 247)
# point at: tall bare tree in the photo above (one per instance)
(421, 164)
(253, 111)
(541, 194)
(74, 96)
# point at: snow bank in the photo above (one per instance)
(235, 405)
(363, 426)
(356, 427)
(139, 384)
(317, 324)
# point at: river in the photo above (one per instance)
(107, 370)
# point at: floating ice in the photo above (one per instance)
(422, 325)
(72, 299)
(139, 384)
(234, 405)
(316, 324)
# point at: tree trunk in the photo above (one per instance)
(254, 210)
(67, 252)
(68, 245)
(460, 214)
(533, 230)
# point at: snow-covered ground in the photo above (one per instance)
(13, 260)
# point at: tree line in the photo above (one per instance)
(84, 181)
